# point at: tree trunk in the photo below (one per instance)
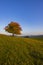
(13, 34)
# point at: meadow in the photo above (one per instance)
(21, 51)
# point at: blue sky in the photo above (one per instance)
(28, 13)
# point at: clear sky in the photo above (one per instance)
(28, 13)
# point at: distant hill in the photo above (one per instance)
(32, 36)
(36, 36)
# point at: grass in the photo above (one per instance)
(20, 51)
(39, 38)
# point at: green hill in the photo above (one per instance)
(20, 51)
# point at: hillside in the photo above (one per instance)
(20, 51)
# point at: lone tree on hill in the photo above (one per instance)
(13, 28)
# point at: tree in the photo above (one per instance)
(13, 28)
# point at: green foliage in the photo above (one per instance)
(20, 51)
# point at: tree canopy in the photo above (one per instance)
(13, 28)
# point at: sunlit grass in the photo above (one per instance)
(20, 51)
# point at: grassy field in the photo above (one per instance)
(38, 38)
(20, 51)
